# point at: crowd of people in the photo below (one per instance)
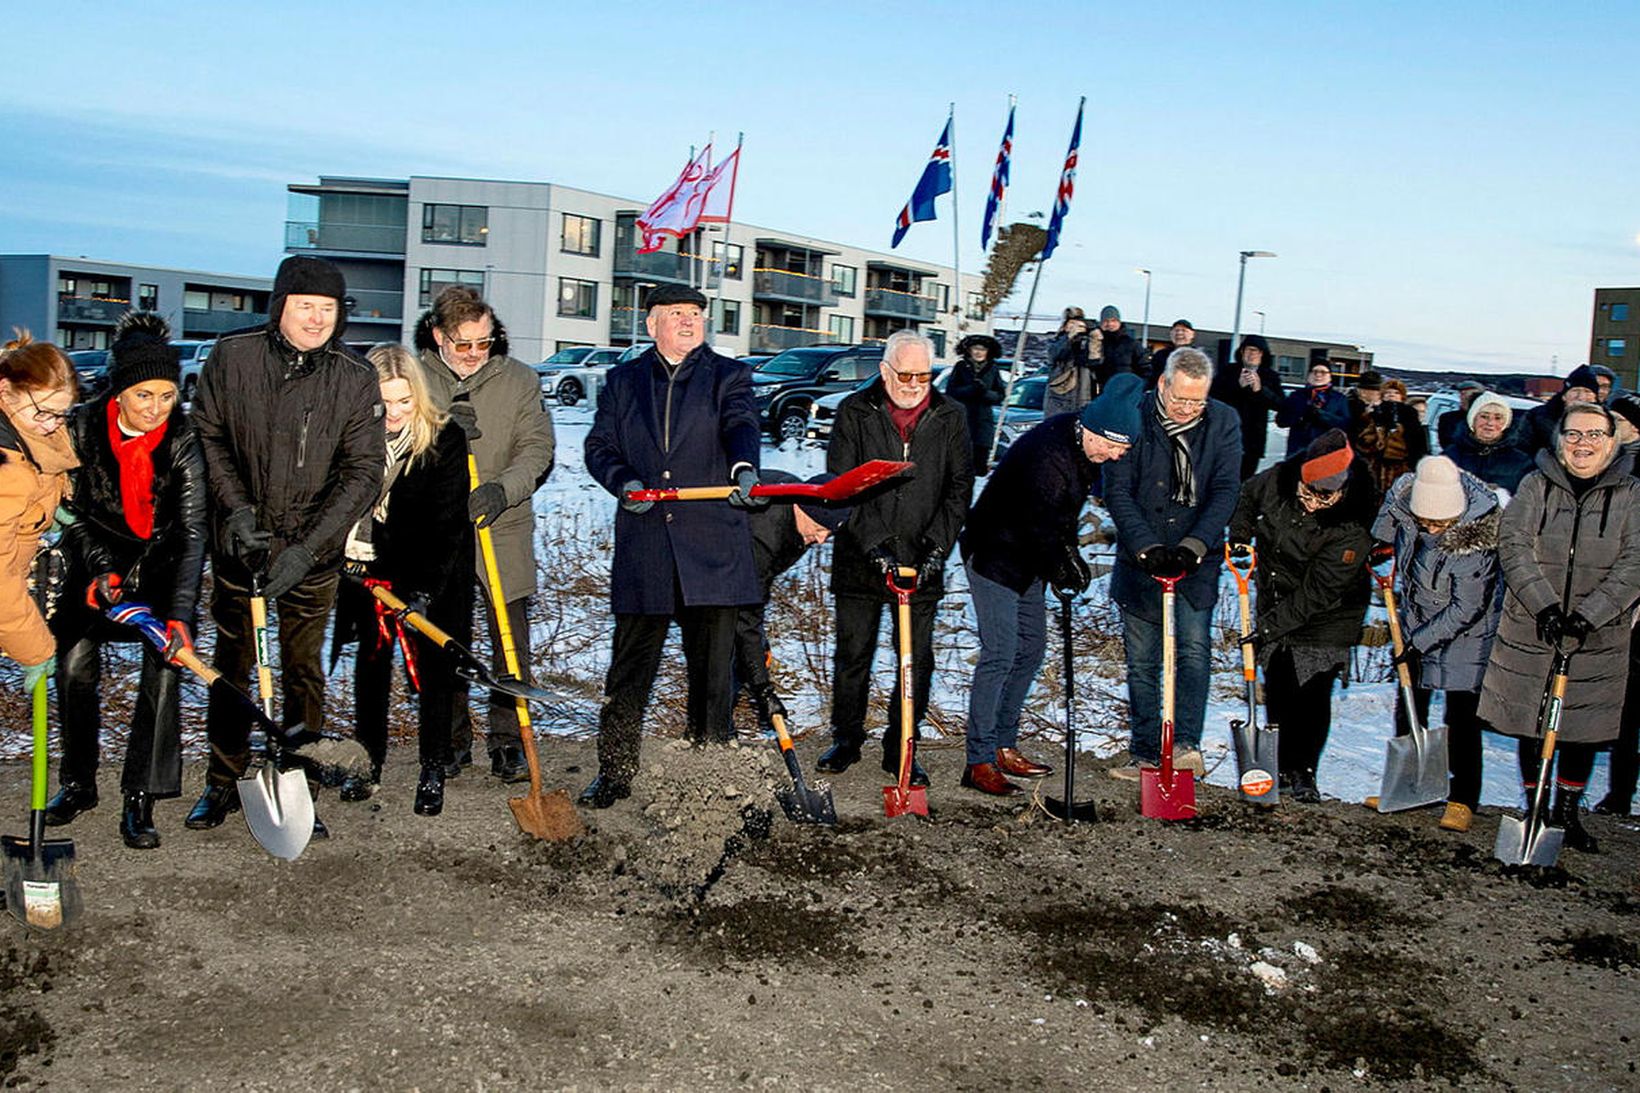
(310, 476)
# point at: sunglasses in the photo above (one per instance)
(1577, 436)
(919, 378)
(478, 344)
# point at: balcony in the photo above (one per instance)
(376, 305)
(90, 309)
(626, 325)
(792, 287)
(661, 265)
(889, 303)
(772, 339)
(333, 237)
(198, 322)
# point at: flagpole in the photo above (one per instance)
(1019, 359)
(956, 236)
(723, 270)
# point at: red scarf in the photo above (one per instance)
(906, 420)
(135, 455)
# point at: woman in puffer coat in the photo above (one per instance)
(1569, 547)
(1444, 524)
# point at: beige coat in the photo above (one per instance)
(33, 480)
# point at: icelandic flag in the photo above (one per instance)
(999, 182)
(935, 180)
(1067, 187)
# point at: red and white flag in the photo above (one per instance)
(695, 198)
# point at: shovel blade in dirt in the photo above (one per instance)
(899, 800)
(1257, 751)
(1085, 813)
(549, 816)
(278, 810)
(801, 803)
(40, 887)
(1520, 843)
(1415, 770)
(1167, 795)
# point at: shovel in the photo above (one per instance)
(844, 487)
(1415, 765)
(1163, 794)
(545, 816)
(1530, 840)
(801, 804)
(1068, 810)
(40, 886)
(1257, 749)
(277, 804)
(902, 796)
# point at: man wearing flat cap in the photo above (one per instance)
(677, 415)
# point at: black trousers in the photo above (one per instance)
(1463, 738)
(708, 648)
(503, 707)
(1572, 766)
(859, 619)
(301, 616)
(153, 751)
(1625, 765)
(442, 691)
(1303, 713)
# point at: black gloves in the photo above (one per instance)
(465, 415)
(486, 504)
(634, 507)
(931, 570)
(1185, 560)
(742, 497)
(1551, 624)
(1073, 576)
(884, 559)
(1241, 555)
(1576, 628)
(415, 603)
(288, 568)
(1166, 561)
(242, 539)
(1408, 656)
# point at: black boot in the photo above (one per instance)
(604, 792)
(71, 800)
(213, 806)
(430, 790)
(1567, 814)
(843, 754)
(358, 787)
(1305, 791)
(508, 764)
(1609, 805)
(137, 821)
(462, 758)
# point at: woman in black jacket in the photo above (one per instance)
(976, 383)
(1253, 388)
(139, 501)
(418, 543)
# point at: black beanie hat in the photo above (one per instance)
(142, 351)
(1583, 376)
(304, 275)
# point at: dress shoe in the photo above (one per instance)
(891, 767)
(320, 831)
(507, 763)
(71, 800)
(1012, 761)
(360, 787)
(1609, 805)
(462, 758)
(1457, 817)
(842, 755)
(604, 791)
(137, 822)
(986, 778)
(430, 790)
(213, 806)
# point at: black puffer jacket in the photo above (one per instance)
(296, 436)
(917, 515)
(162, 571)
(1313, 587)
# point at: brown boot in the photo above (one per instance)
(1012, 761)
(986, 778)
(1457, 817)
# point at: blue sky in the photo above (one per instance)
(1445, 184)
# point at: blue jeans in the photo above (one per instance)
(1143, 642)
(1013, 630)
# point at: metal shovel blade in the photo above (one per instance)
(808, 805)
(40, 887)
(899, 800)
(1164, 799)
(1256, 758)
(278, 810)
(1415, 770)
(1085, 813)
(1517, 846)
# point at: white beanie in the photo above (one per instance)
(1487, 398)
(1437, 494)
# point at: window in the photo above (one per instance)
(976, 306)
(147, 297)
(737, 258)
(581, 235)
(728, 316)
(1620, 313)
(938, 338)
(1616, 347)
(435, 281)
(465, 224)
(194, 299)
(572, 345)
(67, 286)
(841, 326)
(844, 279)
(577, 299)
(942, 299)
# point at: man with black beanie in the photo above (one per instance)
(290, 420)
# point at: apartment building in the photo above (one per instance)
(1614, 336)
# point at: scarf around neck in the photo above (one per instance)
(135, 457)
(1184, 473)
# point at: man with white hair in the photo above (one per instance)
(914, 523)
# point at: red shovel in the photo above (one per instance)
(844, 487)
(1164, 794)
(902, 796)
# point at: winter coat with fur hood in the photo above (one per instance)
(33, 480)
(1448, 585)
(1584, 554)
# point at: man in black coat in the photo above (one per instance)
(1122, 352)
(912, 523)
(1537, 431)
(291, 423)
(1253, 389)
(678, 415)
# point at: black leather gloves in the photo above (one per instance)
(486, 504)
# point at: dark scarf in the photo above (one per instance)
(1184, 474)
(135, 456)
(905, 420)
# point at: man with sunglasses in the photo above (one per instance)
(289, 419)
(1170, 500)
(913, 524)
(497, 400)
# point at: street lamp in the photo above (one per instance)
(1241, 282)
(1144, 337)
(1260, 315)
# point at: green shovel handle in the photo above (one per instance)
(37, 795)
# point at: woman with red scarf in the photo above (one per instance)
(139, 498)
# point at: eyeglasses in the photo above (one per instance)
(1183, 403)
(469, 346)
(44, 416)
(1319, 497)
(922, 379)
(1577, 436)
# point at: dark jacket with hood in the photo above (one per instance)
(917, 515)
(1536, 430)
(1501, 464)
(162, 571)
(1122, 353)
(978, 387)
(1307, 412)
(1253, 408)
(1313, 587)
(296, 437)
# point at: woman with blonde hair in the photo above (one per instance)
(36, 389)
(416, 542)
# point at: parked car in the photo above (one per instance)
(824, 410)
(756, 360)
(1024, 410)
(571, 375)
(192, 357)
(788, 383)
(90, 371)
